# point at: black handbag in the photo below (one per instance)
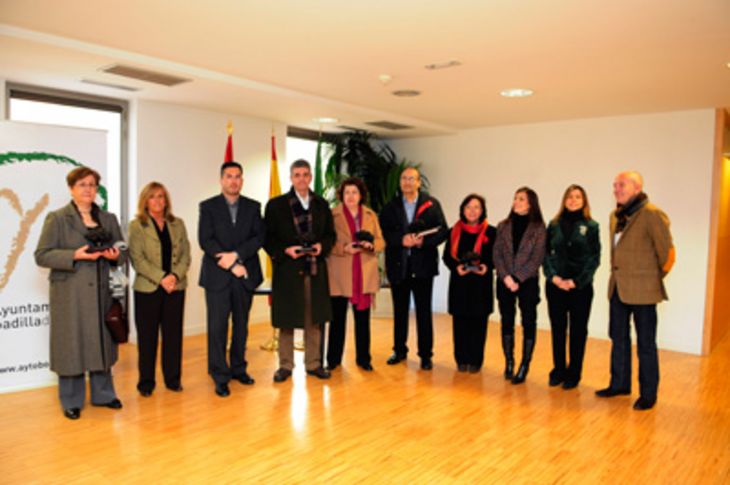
(117, 322)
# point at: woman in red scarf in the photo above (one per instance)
(468, 254)
(353, 271)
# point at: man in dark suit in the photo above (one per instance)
(411, 262)
(230, 233)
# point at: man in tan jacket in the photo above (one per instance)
(642, 254)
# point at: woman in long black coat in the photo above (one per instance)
(468, 254)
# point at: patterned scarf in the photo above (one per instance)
(358, 298)
(304, 225)
(623, 212)
(456, 235)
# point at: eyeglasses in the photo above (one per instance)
(86, 186)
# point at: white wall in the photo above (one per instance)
(672, 150)
(183, 148)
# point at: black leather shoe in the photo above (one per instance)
(472, 369)
(395, 358)
(610, 392)
(281, 375)
(556, 378)
(426, 364)
(222, 389)
(570, 384)
(320, 373)
(72, 413)
(177, 388)
(642, 404)
(245, 379)
(366, 367)
(113, 404)
(461, 368)
(145, 392)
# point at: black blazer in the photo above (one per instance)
(394, 224)
(218, 234)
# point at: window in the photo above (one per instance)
(40, 105)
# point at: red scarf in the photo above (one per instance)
(422, 208)
(456, 235)
(358, 298)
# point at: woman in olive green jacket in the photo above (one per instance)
(572, 256)
(160, 253)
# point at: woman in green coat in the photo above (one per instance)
(78, 244)
(160, 253)
(572, 256)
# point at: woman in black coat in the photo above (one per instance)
(573, 254)
(468, 254)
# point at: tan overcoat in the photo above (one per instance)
(641, 257)
(339, 263)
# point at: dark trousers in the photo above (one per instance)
(527, 297)
(569, 309)
(153, 312)
(470, 335)
(619, 329)
(337, 331)
(234, 301)
(422, 289)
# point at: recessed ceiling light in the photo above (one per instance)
(516, 93)
(406, 93)
(442, 65)
(325, 119)
(385, 79)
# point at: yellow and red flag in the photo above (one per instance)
(274, 190)
(229, 146)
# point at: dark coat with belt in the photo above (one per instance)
(287, 285)
(218, 234)
(471, 295)
(524, 264)
(79, 293)
(394, 223)
(573, 256)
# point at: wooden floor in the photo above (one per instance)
(395, 425)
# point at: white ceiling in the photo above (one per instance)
(291, 61)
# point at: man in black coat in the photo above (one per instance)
(411, 262)
(300, 234)
(230, 233)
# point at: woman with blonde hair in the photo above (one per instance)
(160, 254)
(573, 254)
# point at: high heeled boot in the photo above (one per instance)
(528, 345)
(508, 347)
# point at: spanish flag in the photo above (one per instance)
(274, 190)
(229, 146)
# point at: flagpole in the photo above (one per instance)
(272, 344)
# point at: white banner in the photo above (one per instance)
(34, 161)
